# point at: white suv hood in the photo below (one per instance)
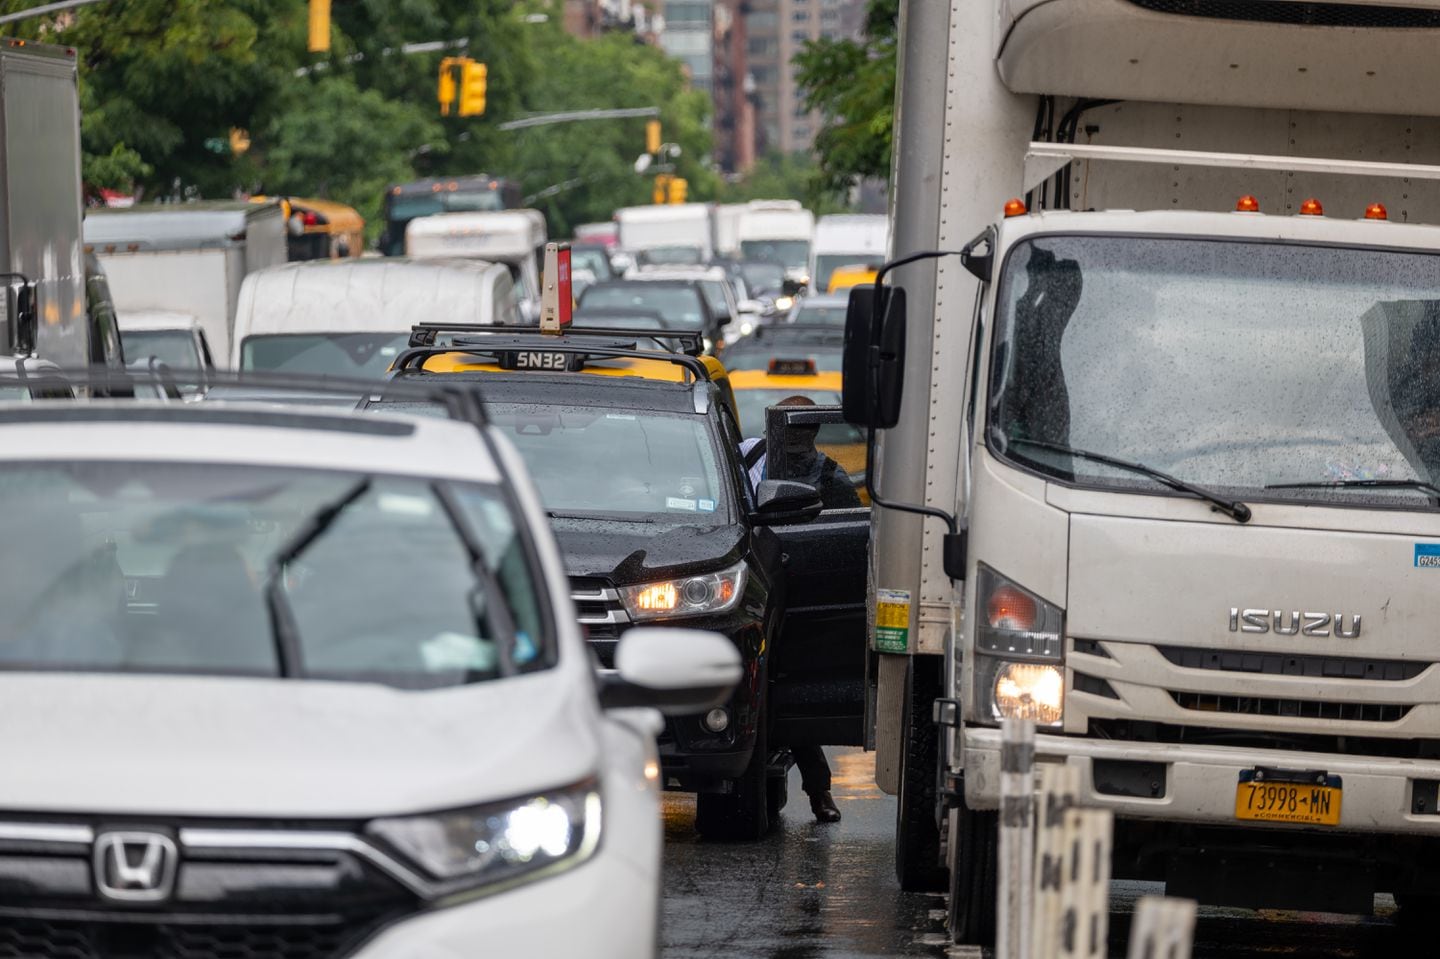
(189, 746)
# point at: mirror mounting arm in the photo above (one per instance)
(954, 548)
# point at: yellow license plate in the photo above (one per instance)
(1261, 798)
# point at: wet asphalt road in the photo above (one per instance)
(829, 892)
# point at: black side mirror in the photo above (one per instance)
(873, 362)
(786, 502)
(791, 287)
(21, 316)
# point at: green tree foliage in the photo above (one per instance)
(163, 82)
(789, 176)
(852, 85)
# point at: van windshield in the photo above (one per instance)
(332, 354)
(1236, 365)
(196, 568)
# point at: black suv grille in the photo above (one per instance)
(602, 615)
(72, 939)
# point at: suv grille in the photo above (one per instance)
(1296, 708)
(601, 614)
(250, 939)
(1308, 14)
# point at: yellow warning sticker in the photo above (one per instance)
(892, 620)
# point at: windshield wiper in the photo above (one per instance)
(1235, 509)
(496, 611)
(282, 617)
(1415, 484)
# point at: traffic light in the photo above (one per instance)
(319, 26)
(473, 81)
(652, 136)
(448, 88)
(677, 189)
(662, 187)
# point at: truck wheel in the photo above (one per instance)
(917, 836)
(742, 815)
(974, 840)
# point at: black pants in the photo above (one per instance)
(814, 770)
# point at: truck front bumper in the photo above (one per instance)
(1197, 784)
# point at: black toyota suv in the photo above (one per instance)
(635, 452)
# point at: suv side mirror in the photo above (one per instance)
(792, 287)
(873, 362)
(677, 671)
(786, 502)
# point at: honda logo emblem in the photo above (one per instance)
(135, 866)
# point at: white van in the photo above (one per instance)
(515, 238)
(845, 239)
(353, 317)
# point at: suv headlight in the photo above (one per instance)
(499, 843)
(1020, 652)
(690, 596)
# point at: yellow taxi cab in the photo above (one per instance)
(855, 274)
(758, 390)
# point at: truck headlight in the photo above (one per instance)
(1030, 691)
(690, 596)
(498, 843)
(1020, 652)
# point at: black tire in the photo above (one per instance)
(777, 794)
(973, 883)
(917, 835)
(742, 815)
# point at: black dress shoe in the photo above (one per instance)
(824, 808)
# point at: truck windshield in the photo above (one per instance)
(191, 568)
(791, 254)
(175, 348)
(623, 464)
(1237, 365)
(330, 354)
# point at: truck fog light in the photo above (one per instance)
(1030, 691)
(717, 720)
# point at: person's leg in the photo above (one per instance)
(815, 779)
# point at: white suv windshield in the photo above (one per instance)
(1238, 365)
(173, 567)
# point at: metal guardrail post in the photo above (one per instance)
(1059, 793)
(1085, 893)
(1017, 839)
(1163, 928)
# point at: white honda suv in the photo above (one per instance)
(285, 683)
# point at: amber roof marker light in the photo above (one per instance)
(1377, 211)
(1015, 207)
(1247, 204)
(1312, 207)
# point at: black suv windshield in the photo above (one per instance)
(623, 464)
(1235, 365)
(172, 567)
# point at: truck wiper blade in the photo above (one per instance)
(1235, 509)
(282, 617)
(1415, 484)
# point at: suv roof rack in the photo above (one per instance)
(510, 339)
(460, 402)
(425, 334)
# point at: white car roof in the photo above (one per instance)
(253, 434)
(146, 321)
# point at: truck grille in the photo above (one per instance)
(1285, 664)
(1293, 708)
(601, 615)
(251, 939)
(1308, 14)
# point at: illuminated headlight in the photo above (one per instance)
(691, 596)
(784, 302)
(1019, 642)
(499, 843)
(1030, 691)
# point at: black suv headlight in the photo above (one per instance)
(686, 596)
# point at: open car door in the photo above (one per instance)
(817, 670)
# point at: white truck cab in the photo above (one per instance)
(515, 238)
(778, 231)
(1175, 404)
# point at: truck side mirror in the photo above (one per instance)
(873, 363)
(21, 318)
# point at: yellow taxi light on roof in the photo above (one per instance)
(780, 366)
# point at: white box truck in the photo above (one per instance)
(847, 239)
(1174, 421)
(668, 233)
(515, 238)
(187, 257)
(778, 231)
